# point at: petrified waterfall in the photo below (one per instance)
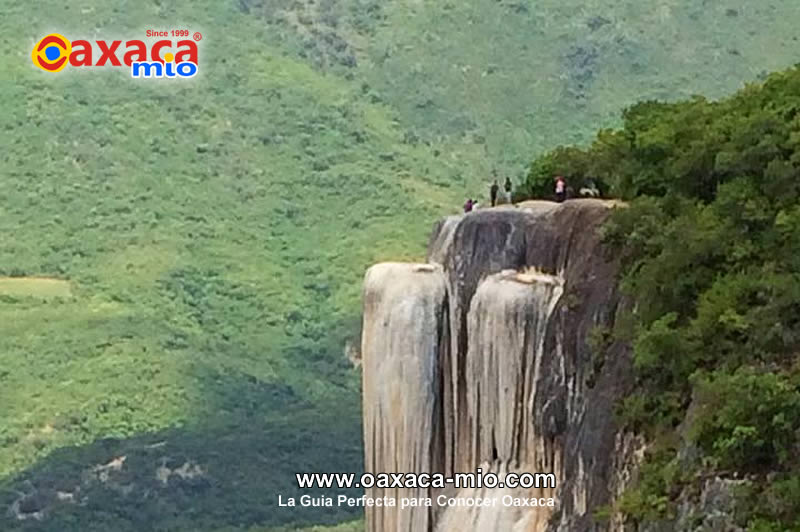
(481, 358)
(506, 325)
(507, 322)
(401, 347)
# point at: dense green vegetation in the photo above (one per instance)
(710, 250)
(351, 526)
(212, 235)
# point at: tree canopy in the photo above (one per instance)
(710, 249)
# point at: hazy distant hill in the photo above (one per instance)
(212, 234)
(521, 75)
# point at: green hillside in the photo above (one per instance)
(504, 79)
(180, 263)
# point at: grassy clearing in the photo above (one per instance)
(34, 287)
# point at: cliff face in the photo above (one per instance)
(483, 358)
(402, 342)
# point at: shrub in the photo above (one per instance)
(747, 421)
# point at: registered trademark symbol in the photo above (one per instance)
(197, 36)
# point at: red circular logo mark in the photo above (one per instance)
(197, 36)
(51, 53)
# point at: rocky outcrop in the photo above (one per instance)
(40, 500)
(711, 509)
(483, 357)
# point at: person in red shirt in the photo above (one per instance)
(561, 189)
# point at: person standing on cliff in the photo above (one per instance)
(507, 186)
(493, 192)
(561, 189)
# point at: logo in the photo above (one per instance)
(163, 58)
(51, 53)
(155, 69)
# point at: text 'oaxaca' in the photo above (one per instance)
(163, 58)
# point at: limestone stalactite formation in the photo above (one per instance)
(507, 322)
(401, 344)
(482, 358)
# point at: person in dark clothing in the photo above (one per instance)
(468, 205)
(493, 192)
(507, 186)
